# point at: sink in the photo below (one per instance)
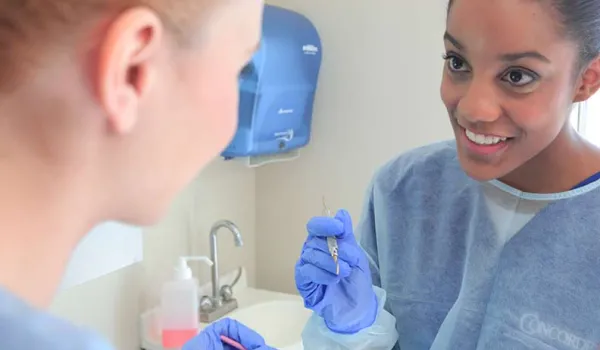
(280, 322)
(279, 317)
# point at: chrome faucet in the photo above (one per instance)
(215, 307)
(237, 236)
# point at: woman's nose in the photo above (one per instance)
(480, 103)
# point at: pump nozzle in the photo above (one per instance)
(183, 271)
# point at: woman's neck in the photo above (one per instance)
(566, 162)
(40, 225)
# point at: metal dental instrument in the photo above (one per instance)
(332, 241)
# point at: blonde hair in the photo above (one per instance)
(28, 27)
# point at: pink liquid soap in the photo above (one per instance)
(175, 339)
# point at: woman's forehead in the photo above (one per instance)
(503, 26)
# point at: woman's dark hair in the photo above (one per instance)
(580, 21)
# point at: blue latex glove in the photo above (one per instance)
(346, 302)
(210, 337)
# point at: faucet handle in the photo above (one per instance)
(206, 304)
(226, 293)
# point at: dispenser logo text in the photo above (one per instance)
(285, 111)
(285, 136)
(310, 49)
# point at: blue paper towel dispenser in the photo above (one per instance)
(277, 87)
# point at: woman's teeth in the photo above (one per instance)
(484, 139)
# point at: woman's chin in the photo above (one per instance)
(479, 171)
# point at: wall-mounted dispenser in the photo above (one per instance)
(277, 88)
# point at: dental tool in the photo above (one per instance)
(332, 241)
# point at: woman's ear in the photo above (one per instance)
(589, 82)
(125, 68)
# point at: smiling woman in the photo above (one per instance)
(489, 241)
(510, 99)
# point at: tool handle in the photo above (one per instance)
(232, 342)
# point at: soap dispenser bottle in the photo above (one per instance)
(179, 305)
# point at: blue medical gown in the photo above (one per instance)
(466, 265)
(24, 328)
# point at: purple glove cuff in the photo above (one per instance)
(356, 326)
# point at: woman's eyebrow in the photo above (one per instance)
(507, 57)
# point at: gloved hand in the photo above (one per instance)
(210, 337)
(347, 302)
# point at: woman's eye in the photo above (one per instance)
(518, 78)
(456, 64)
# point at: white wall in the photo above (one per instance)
(111, 304)
(378, 96)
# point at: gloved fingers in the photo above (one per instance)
(344, 217)
(324, 266)
(205, 340)
(238, 332)
(309, 275)
(324, 227)
(347, 252)
(339, 226)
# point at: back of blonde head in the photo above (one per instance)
(28, 27)
(120, 88)
(108, 108)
